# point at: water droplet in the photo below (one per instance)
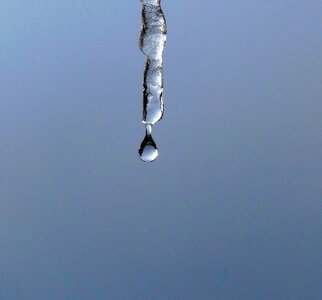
(148, 150)
(148, 129)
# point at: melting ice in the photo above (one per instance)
(152, 42)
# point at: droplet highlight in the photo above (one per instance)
(148, 150)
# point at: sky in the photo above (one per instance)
(231, 209)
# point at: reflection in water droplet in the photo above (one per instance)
(148, 150)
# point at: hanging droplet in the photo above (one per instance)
(148, 150)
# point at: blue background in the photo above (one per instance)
(232, 208)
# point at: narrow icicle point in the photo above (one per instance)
(148, 150)
(152, 41)
(152, 92)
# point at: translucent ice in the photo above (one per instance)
(152, 42)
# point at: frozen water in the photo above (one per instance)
(153, 30)
(152, 42)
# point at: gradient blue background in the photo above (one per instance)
(232, 208)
